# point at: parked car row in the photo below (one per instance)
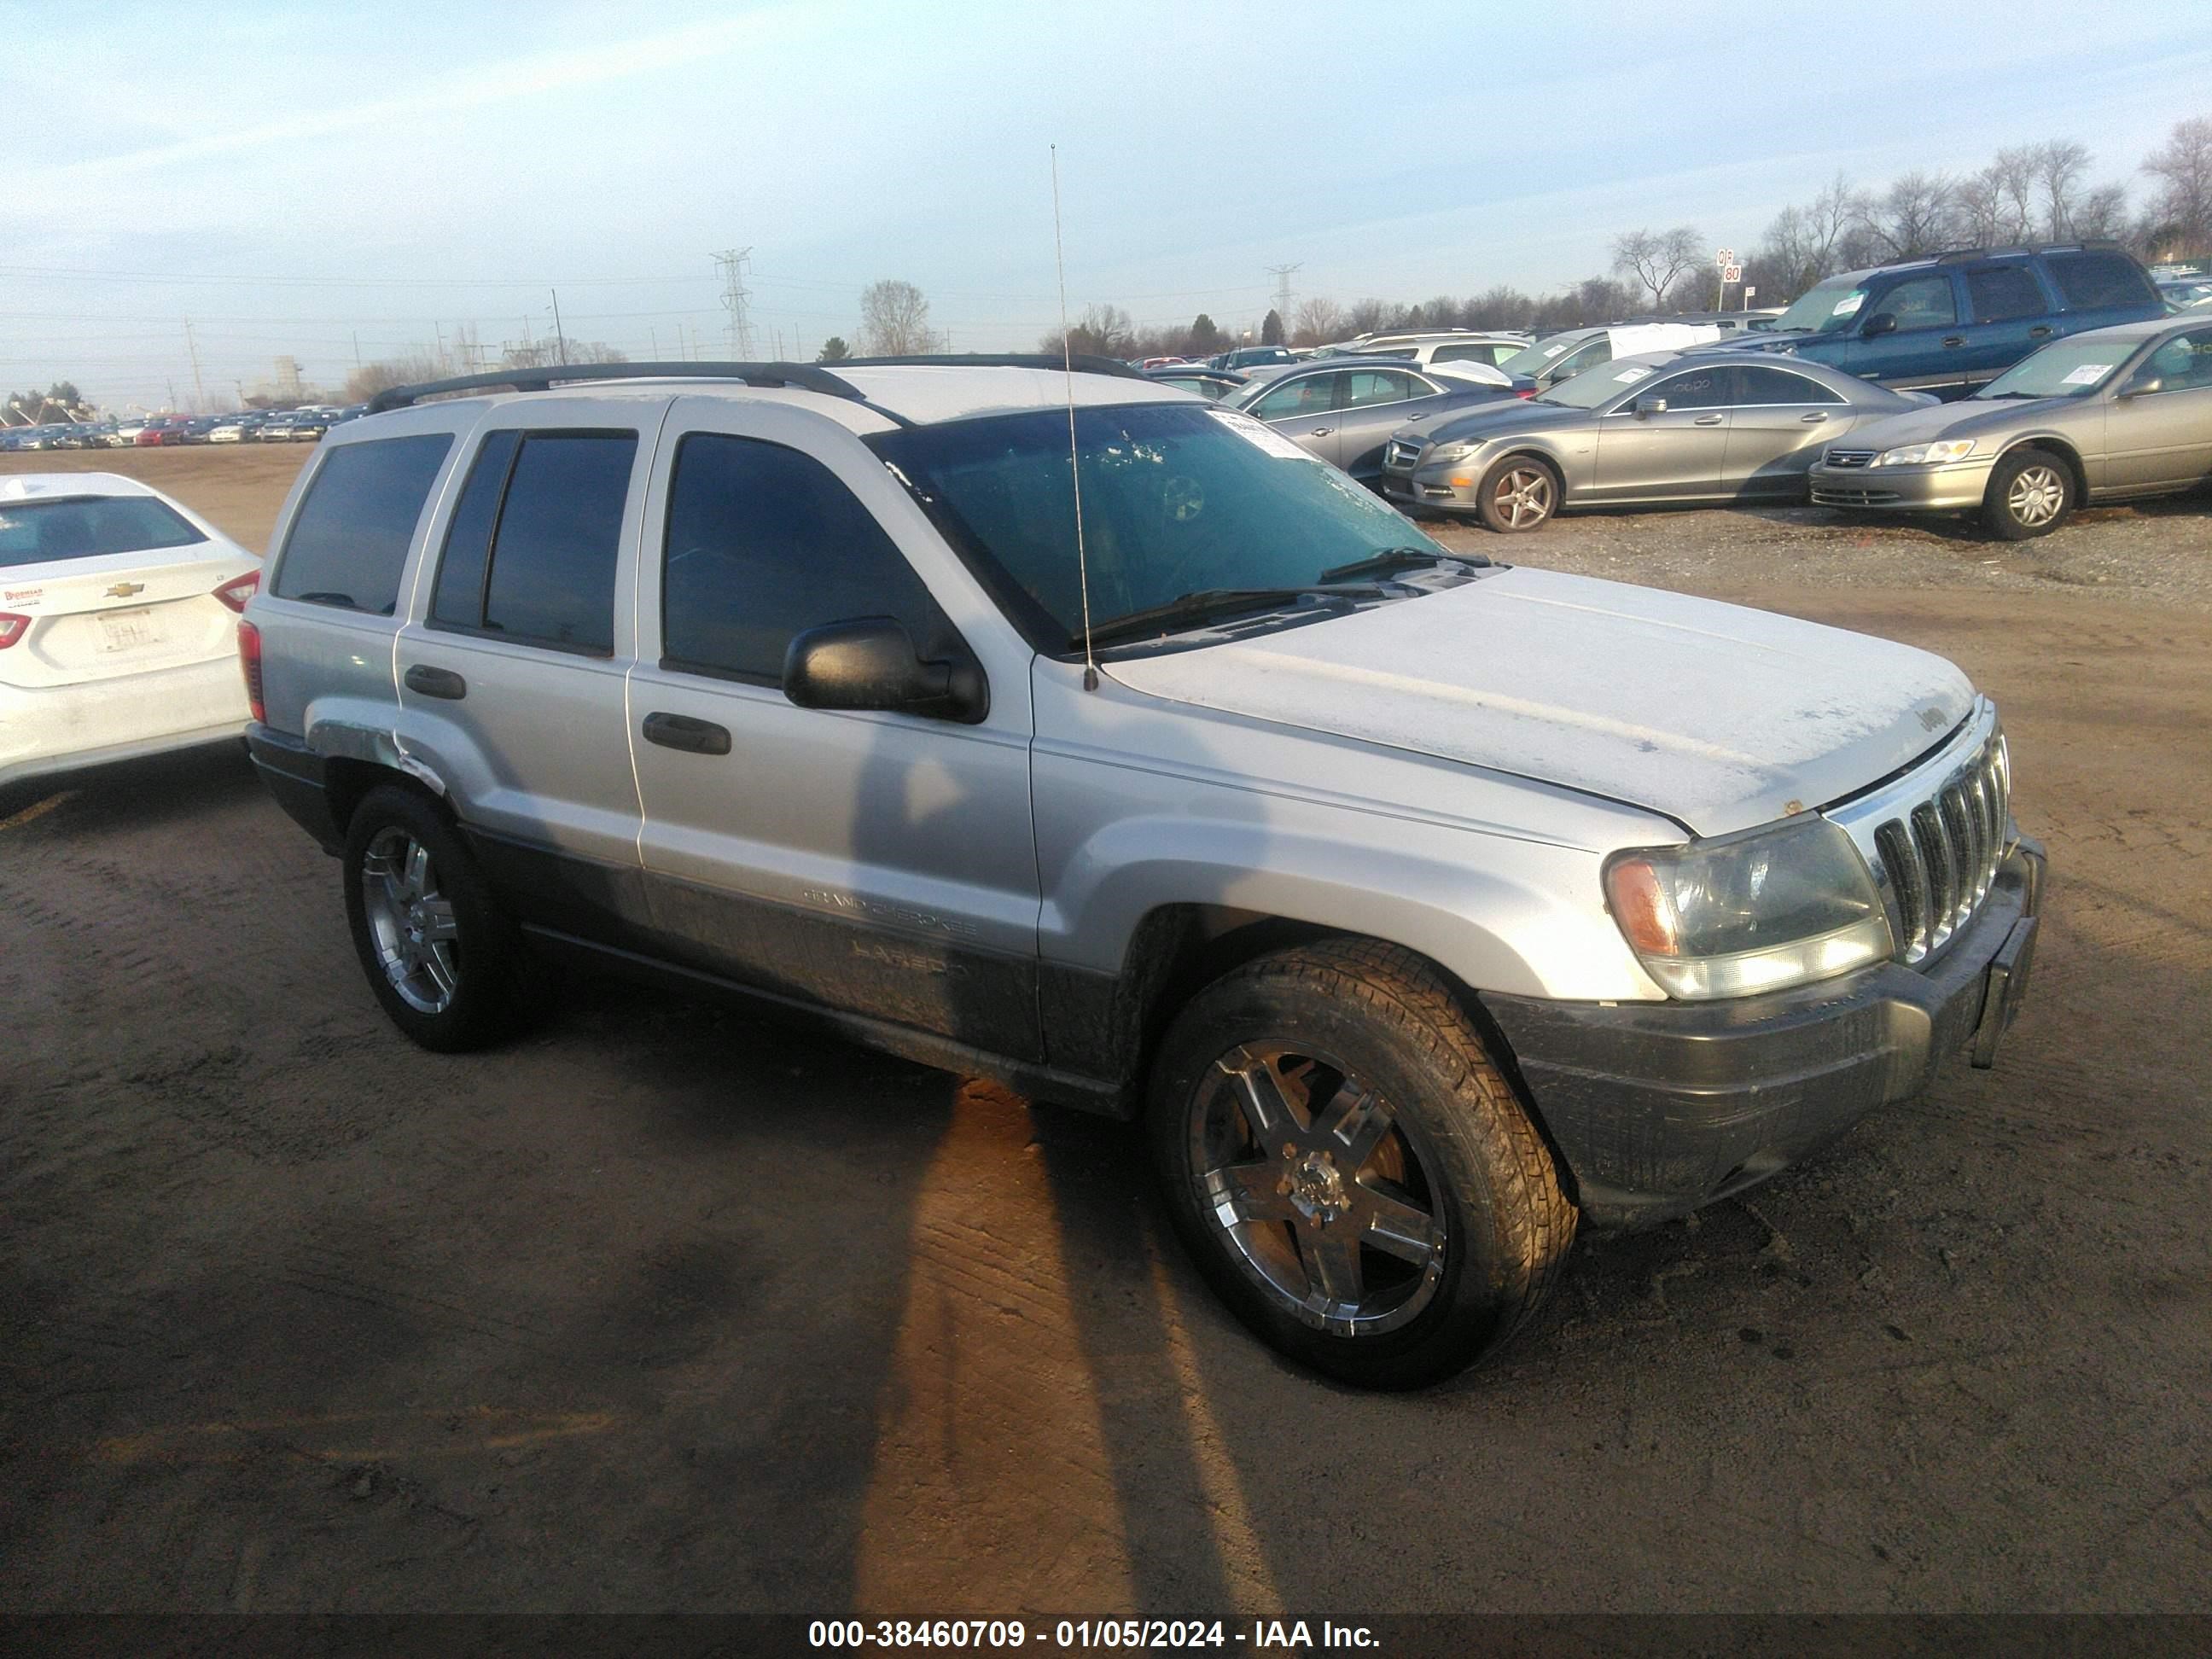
(154, 431)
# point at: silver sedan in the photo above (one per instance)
(1653, 430)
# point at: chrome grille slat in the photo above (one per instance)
(1911, 883)
(1935, 847)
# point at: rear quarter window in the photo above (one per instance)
(2090, 281)
(349, 541)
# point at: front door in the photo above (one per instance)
(1668, 453)
(1926, 351)
(879, 864)
(2163, 438)
(1304, 407)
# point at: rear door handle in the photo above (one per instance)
(1950, 340)
(1814, 419)
(2038, 331)
(682, 731)
(436, 682)
(1321, 432)
(1709, 420)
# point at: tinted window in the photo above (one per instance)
(764, 543)
(2182, 363)
(1920, 302)
(1778, 386)
(2090, 280)
(1467, 353)
(1379, 385)
(88, 527)
(349, 541)
(458, 599)
(2000, 293)
(1309, 394)
(1701, 388)
(552, 578)
(1595, 354)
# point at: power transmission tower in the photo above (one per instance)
(1282, 276)
(735, 293)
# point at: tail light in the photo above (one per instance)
(1530, 393)
(12, 628)
(249, 659)
(236, 593)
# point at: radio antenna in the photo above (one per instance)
(1074, 460)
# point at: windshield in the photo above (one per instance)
(88, 527)
(1177, 499)
(1600, 385)
(1535, 359)
(2064, 368)
(1824, 308)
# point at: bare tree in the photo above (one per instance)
(412, 368)
(1367, 315)
(1916, 214)
(2060, 165)
(2181, 210)
(1104, 331)
(2102, 213)
(547, 354)
(1655, 259)
(893, 320)
(1319, 321)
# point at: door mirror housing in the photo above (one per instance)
(1875, 327)
(871, 663)
(2142, 384)
(1648, 406)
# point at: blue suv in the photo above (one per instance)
(1953, 323)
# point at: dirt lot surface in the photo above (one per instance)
(664, 1308)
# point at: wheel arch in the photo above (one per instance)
(2053, 445)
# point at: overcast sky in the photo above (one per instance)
(288, 177)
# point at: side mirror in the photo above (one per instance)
(2142, 384)
(871, 664)
(1875, 327)
(1646, 407)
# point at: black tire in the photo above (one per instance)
(1377, 1023)
(1519, 494)
(2024, 486)
(487, 964)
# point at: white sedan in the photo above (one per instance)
(118, 623)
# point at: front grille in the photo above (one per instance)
(1836, 496)
(1939, 855)
(1400, 455)
(1849, 458)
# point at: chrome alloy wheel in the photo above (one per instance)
(1321, 1195)
(1523, 497)
(416, 937)
(2036, 496)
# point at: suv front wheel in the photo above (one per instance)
(1352, 1171)
(440, 954)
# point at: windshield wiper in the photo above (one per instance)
(1210, 604)
(1400, 558)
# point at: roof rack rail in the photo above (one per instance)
(2099, 244)
(1082, 362)
(808, 377)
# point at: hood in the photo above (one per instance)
(1717, 716)
(1970, 418)
(1494, 418)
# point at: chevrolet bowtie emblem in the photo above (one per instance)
(125, 590)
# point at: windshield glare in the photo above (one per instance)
(1177, 499)
(1602, 384)
(1824, 307)
(88, 527)
(2064, 368)
(1535, 359)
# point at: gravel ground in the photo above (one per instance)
(663, 1307)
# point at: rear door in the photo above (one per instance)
(512, 676)
(1674, 452)
(1303, 409)
(879, 864)
(1778, 421)
(2009, 315)
(1376, 403)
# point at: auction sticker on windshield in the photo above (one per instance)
(2088, 374)
(1630, 375)
(1848, 304)
(1259, 433)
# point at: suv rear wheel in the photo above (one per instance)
(2031, 493)
(440, 954)
(1350, 1168)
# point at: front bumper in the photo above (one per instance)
(1660, 1108)
(1957, 488)
(1434, 492)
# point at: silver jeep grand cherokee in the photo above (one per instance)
(1424, 908)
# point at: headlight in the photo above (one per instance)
(1448, 453)
(1755, 912)
(1952, 449)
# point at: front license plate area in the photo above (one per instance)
(2006, 988)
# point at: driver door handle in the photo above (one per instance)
(1814, 419)
(1321, 432)
(435, 681)
(2038, 331)
(1950, 340)
(1709, 420)
(682, 731)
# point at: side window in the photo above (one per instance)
(552, 504)
(1757, 386)
(2182, 363)
(1378, 385)
(349, 541)
(1592, 355)
(2000, 293)
(1309, 394)
(764, 543)
(1919, 302)
(1463, 353)
(1700, 388)
(2092, 280)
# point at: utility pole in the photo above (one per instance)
(1282, 276)
(356, 351)
(735, 295)
(438, 333)
(653, 334)
(192, 349)
(560, 340)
